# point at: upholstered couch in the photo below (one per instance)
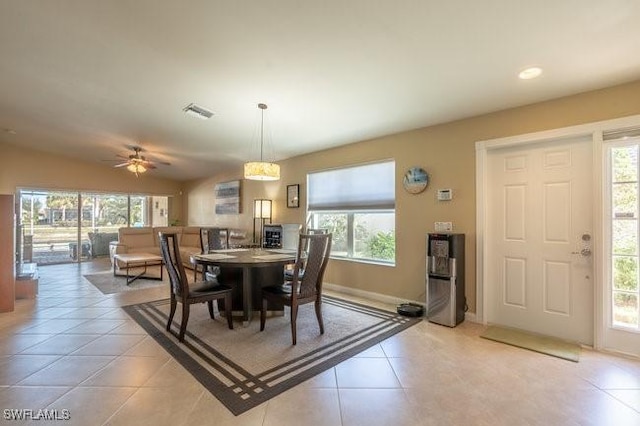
(146, 240)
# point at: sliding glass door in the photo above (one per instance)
(62, 226)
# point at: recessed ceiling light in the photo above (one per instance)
(529, 73)
(198, 111)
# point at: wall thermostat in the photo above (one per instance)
(445, 194)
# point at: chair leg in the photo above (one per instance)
(210, 305)
(185, 320)
(263, 314)
(319, 315)
(172, 312)
(294, 317)
(227, 302)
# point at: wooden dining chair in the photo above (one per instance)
(211, 239)
(304, 288)
(188, 294)
(288, 272)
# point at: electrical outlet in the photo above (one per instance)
(444, 226)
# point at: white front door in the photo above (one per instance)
(539, 238)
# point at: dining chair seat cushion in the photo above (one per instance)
(204, 287)
(277, 289)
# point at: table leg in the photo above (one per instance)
(247, 304)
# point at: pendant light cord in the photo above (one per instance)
(262, 108)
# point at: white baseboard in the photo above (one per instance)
(383, 298)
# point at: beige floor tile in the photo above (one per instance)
(126, 371)
(630, 397)
(304, 406)
(17, 367)
(326, 379)
(374, 351)
(67, 371)
(148, 347)
(158, 407)
(11, 344)
(88, 313)
(169, 375)
(92, 406)
(61, 344)
(111, 344)
(30, 397)
(208, 408)
(53, 326)
(366, 373)
(96, 326)
(129, 327)
(376, 407)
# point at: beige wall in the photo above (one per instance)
(21, 167)
(447, 152)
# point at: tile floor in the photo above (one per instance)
(74, 349)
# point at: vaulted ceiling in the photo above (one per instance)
(88, 78)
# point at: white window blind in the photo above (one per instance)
(366, 187)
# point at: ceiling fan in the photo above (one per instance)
(138, 163)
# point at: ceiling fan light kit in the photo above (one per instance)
(261, 170)
(137, 163)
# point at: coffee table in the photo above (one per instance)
(135, 261)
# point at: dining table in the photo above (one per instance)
(259, 267)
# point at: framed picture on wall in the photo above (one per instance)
(293, 196)
(228, 197)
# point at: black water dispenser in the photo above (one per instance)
(446, 303)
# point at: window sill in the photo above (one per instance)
(365, 261)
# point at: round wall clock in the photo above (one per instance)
(415, 180)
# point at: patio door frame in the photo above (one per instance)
(594, 131)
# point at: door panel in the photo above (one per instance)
(539, 206)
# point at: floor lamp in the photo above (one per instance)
(261, 212)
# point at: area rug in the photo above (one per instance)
(534, 342)
(244, 367)
(109, 284)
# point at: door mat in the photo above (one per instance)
(245, 367)
(534, 342)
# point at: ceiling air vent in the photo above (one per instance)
(198, 112)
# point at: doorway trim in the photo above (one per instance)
(593, 130)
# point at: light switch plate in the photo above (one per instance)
(443, 226)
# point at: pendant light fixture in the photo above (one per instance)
(261, 170)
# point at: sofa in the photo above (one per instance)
(146, 240)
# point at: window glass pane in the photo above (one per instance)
(625, 163)
(375, 236)
(625, 273)
(49, 227)
(102, 215)
(625, 200)
(625, 309)
(336, 223)
(139, 211)
(625, 237)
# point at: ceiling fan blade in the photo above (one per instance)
(149, 165)
(122, 164)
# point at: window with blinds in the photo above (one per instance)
(357, 205)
